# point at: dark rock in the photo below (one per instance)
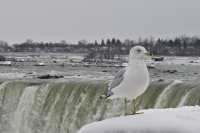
(158, 58)
(160, 80)
(170, 71)
(48, 76)
(104, 71)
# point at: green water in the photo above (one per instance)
(27, 107)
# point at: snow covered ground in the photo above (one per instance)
(177, 120)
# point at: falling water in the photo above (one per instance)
(184, 99)
(23, 112)
(2, 86)
(28, 107)
(163, 98)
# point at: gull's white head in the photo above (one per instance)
(138, 52)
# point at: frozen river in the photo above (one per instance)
(184, 68)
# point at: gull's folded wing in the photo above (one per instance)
(117, 79)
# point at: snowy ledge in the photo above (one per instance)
(177, 120)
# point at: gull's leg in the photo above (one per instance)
(133, 106)
(125, 103)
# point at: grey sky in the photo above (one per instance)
(73, 20)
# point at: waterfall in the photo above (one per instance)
(48, 126)
(2, 86)
(64, 107)
(183, 99)
(23, 111)
(163, 98)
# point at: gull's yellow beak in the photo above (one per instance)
(147, 54)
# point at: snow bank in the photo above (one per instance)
(179, 120)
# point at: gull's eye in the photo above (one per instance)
(138, 50)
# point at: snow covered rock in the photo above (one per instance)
(177, 120)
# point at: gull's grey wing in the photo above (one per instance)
(116, 81)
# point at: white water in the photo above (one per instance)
(66, 107)
(2, 86)
(23, 113)
(50, 128)
(184, 99)
(163, 97)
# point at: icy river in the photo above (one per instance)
(31, 105)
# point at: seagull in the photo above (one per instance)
(133, 80)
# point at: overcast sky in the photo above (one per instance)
(73, 20)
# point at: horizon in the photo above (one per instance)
(99, 40)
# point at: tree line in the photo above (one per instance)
(110, 48)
